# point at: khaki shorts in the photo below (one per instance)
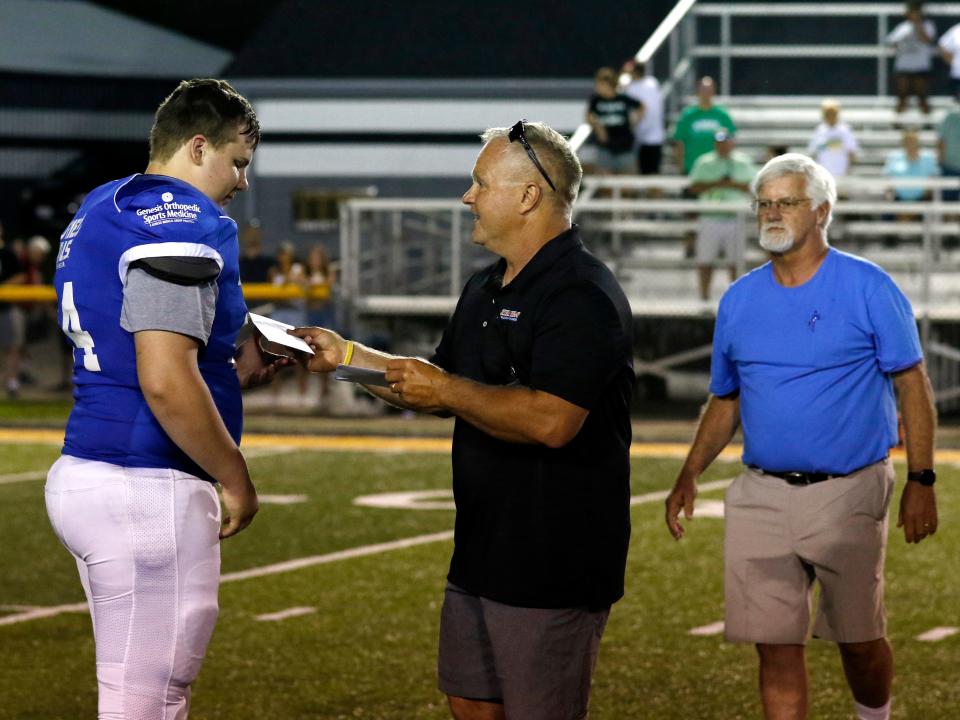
(782, 537)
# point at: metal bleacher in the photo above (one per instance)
(641, 235)
(763, 121)
(409, 258)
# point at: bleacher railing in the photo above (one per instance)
(672, 51)
(405, 255)
(887, 15)
(410, 258)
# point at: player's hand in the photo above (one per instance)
(328, 347)
(680, 498)
(240, 505)
(918, 512)
(417, 383)
(254, 367)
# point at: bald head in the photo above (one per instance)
(706, 89)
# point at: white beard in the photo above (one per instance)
(776, 243)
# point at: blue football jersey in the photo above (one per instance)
(126, 220)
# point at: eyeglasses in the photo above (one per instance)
(517, 134)
(782, 205)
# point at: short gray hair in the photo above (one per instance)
(554, 153)
(820, 185)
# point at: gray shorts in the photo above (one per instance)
(537, 662)
(718, 237)
(782, 537)
(622, 163)
(12, 327)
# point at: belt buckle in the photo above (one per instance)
(797, 478)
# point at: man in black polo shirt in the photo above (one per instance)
(536, 365)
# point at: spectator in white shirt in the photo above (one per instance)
(914, 42)
(950, 52)
(833, 144)
(649, 133)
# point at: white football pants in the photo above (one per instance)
(147, 547)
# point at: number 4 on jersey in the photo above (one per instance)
(71, 326)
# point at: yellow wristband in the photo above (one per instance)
(348, 356)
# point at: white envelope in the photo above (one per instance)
(273, 331)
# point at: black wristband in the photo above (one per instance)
(924, 477)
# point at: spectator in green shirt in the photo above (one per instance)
(693, 135)
(723, 175)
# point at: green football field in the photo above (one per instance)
(353, 634)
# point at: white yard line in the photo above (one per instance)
(707, 630)
(284, 614)
(42, 612)
(362, 551)
(249, 454)
(282, 499)
(289, 565)
(23, 476)
(937, 634)
(300, 563)
(42, 474)
(413, 500)
(661, 495)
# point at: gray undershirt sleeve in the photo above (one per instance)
(153, 304)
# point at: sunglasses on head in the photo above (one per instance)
(517, 134)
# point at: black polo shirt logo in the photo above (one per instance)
(511, 315)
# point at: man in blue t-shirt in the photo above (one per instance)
(807, 352)
(910, 162)
(149, 293)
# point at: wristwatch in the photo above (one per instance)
(924, 477)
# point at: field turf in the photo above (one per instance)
(366, 646)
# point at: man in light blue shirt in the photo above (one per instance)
(911, 162)
(807, 351)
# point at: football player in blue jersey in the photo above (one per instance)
(149, 292)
